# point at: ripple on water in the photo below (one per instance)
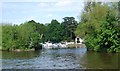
(47, 59)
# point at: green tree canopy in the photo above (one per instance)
(54, 31)
(69, 25)
(25, 36)
(99, 27)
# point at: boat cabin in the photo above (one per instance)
(78, 40)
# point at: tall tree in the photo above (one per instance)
(70, 25)
(54, 32)
(94, 13)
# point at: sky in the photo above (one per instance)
(17, 12)
(42, 11)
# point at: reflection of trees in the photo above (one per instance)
(20, 55)
(100, 60)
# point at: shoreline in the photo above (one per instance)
(75, 45)
(19, 50)
(33, 49)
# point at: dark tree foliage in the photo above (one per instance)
(53, 32)
(69, 25)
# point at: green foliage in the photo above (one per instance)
(0, 36)
(99, 27)
(107, 38)
(53, 32)
(24, 36)
(91, 18)
(57, 32)
(30, 34)
(69, 24)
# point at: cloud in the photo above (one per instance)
(63, 3)
(40, 11)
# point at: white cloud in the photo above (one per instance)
(63, 3)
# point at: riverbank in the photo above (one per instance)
(19, 50)
(33, 49)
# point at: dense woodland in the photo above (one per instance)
(98, 26)
(30, 34)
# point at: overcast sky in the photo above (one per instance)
(42, 11)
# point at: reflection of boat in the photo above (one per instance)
(55, 45)
(63, 45)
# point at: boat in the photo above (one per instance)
(53, 45)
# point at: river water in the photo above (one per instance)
(71, 58)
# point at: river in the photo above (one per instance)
(71, 58)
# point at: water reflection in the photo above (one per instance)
(20, 55)
(100, 60)
(59, 59)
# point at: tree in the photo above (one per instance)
(54, 31)
(70, 25)
(107, 37)
(24, 36)
(0, 36)
(99, 27)
(30, 35)
(91, 18)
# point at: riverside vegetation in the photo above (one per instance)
(98, 26)
(30, 34)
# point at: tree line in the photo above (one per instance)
(30, 34)
(98, 26)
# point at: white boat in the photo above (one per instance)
(54, 45)
(47, 45)
(62, 45)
